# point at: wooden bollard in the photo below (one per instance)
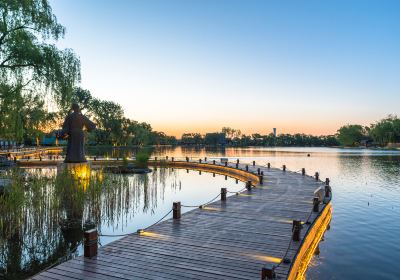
(327, 181)
(327, 190)
(223, 194)
(176, 210)
(315, 204)
(213, 174)
(296, 229)
(166, 157)
(226, 164)
(200, 160)
(269, 165)
(284, 168)
(237, 165)
(237, 161)
(214, 161)
(187, 170)
(200, 172)
(303, 171)
(187, 159)
(254, 163)
(316, 176)
(226, 177)
(90, 243)
(205, 159)
(258, 171)
(261, 179)
(40, 158)
(155, 158)
(248, 185)
(172, 159)
(237, 181)
(247, 168)
(268, 272)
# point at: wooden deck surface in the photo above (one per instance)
(225, 240)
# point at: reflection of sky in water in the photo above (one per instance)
(362, 242)
(50, 225)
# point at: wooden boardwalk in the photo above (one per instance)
(224, 240)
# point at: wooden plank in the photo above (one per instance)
(225, 240)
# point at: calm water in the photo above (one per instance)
(361, 243)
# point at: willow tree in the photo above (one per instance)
(30, 62)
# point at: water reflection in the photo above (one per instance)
(44, 212)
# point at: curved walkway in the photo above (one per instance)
(244, 237)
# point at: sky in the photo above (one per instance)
(198, 65)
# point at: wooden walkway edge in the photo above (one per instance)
(245, 237)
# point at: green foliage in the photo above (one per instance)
(142, 158)
(27, 57)
(386, 131)
(351, 134)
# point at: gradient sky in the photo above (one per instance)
(196, 66)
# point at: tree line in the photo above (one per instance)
(233, 137)
(381, 133)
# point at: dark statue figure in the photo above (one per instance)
(73, 130)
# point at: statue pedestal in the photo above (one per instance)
(80, 171)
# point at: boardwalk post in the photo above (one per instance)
(213, 174)
(254, 163)
(248, 185)
(303, 171)
(155, 158)
(269, 165)
(176, 210)
(166, 157)
(187, 159)
(223, 194)
(200, 160)
(316, 176)
(268, 272)
(315, 204)
(261, 179)
(296, 229)
(187, 170)
(247, 168)
(258, 171)
(90, 243)
(199, 172)
(237, 165)
(172, 159)
(327, 181)
(205, 159)
(237, 161)
(226, 177)
(284, 168)
(327, 187)
(226, 164)
(214, 161)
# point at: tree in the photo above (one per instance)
(351, 134)
(27, 57)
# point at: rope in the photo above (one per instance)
(198, 206)
(131, 233)
(239, 191)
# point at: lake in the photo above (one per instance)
(361, 242)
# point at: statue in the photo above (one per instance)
(73, 128)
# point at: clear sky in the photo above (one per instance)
(197, 65)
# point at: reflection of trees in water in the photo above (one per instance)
(43, 215)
